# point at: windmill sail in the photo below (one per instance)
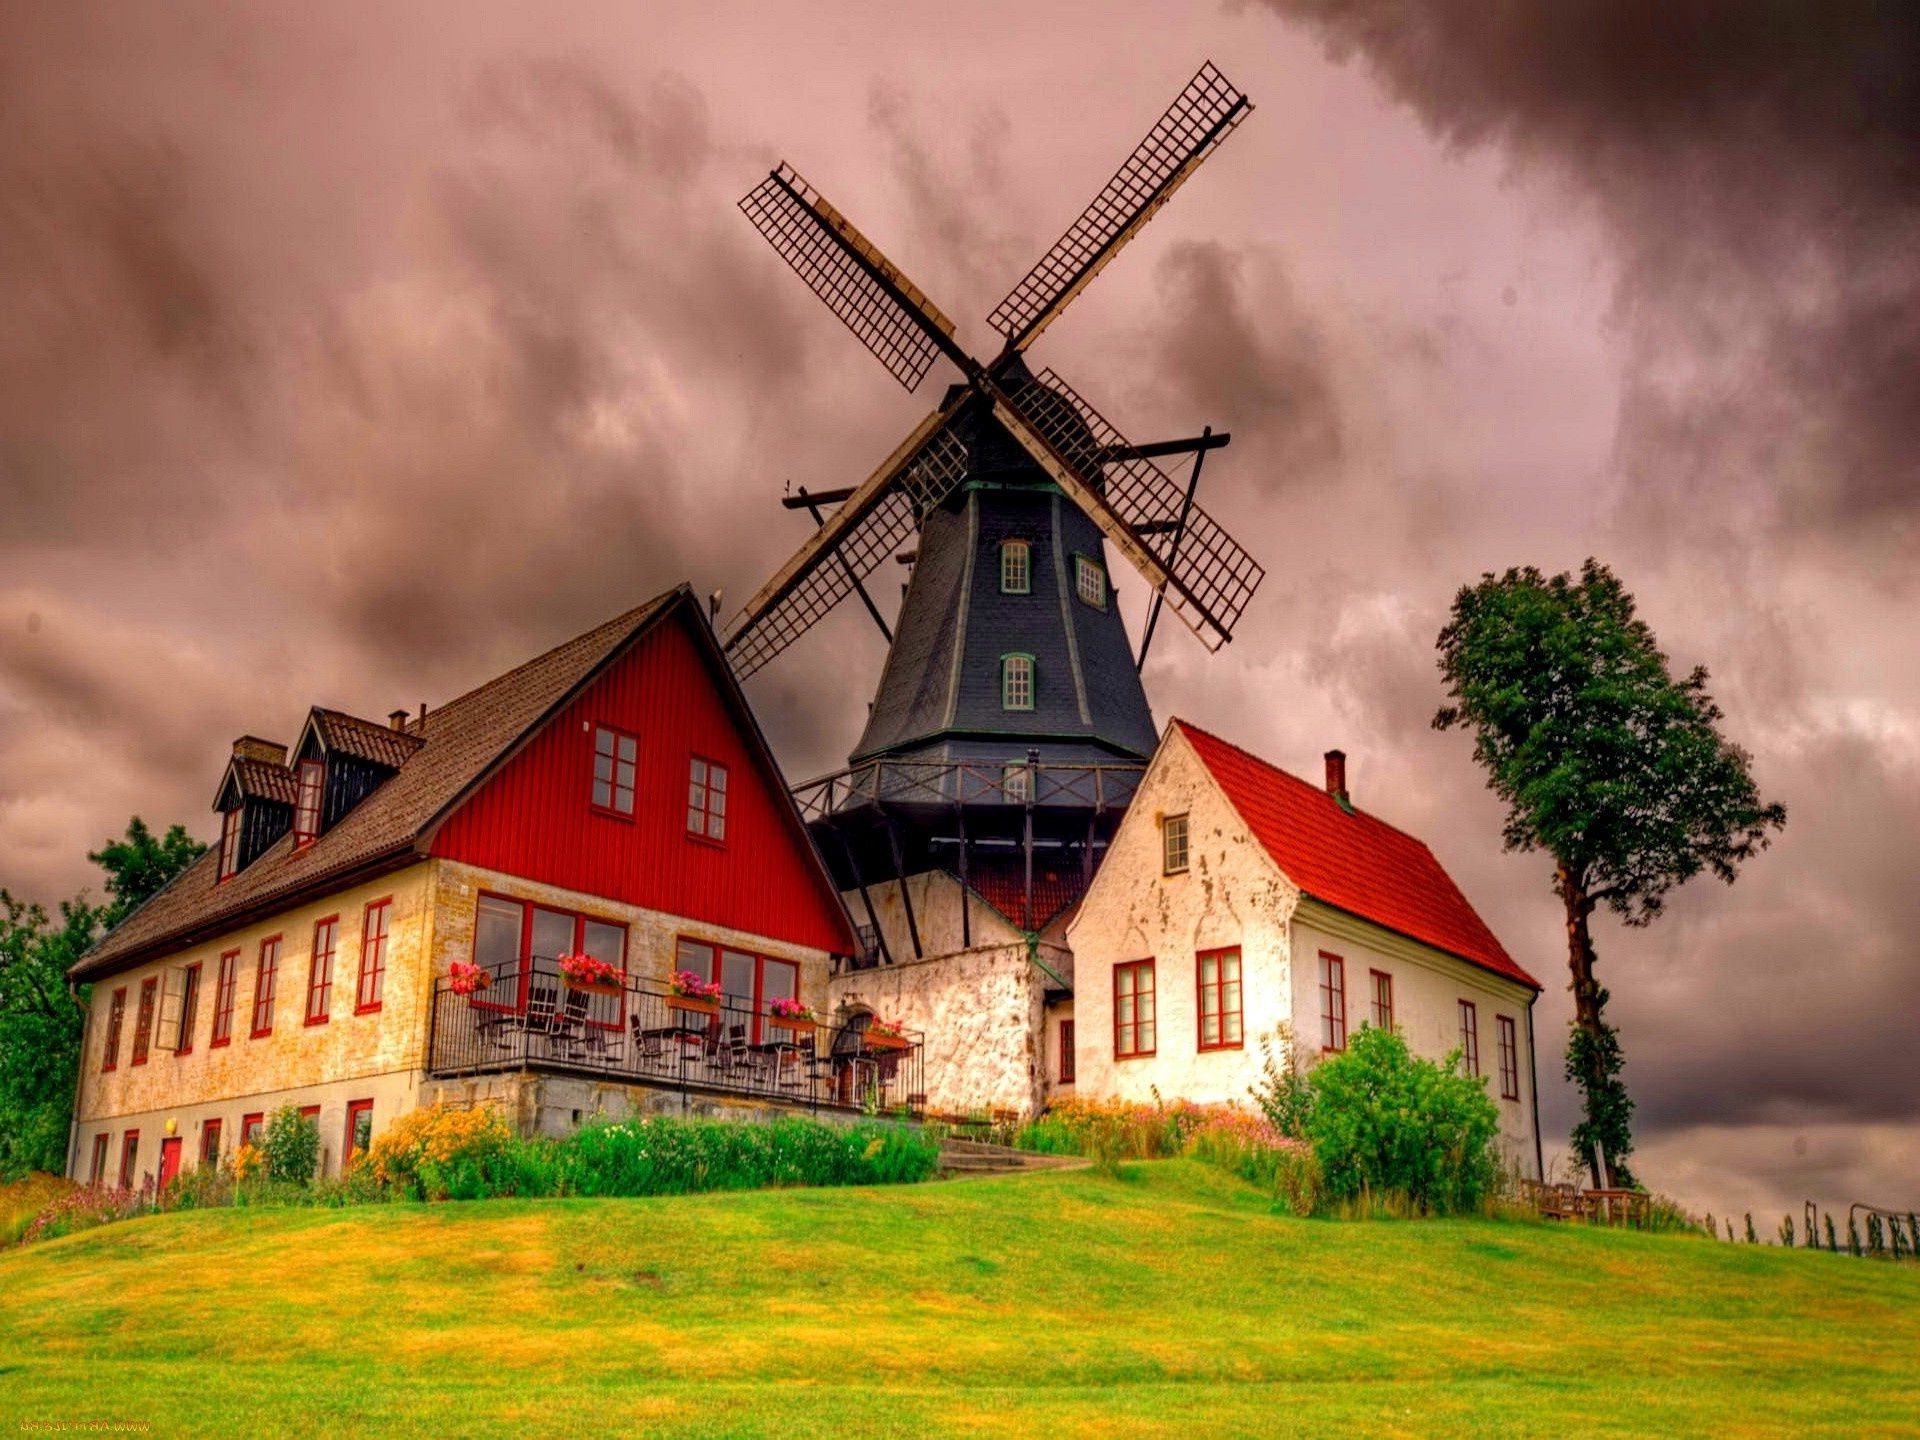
(885, 310)
(1203, 115)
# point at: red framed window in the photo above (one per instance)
(1509, 1058)
(359, 1130)
(189, 1011)
(129, 1157)
(306, 805)
(749, 983)
(312, 1112)
(225, 982)
(266, 983)
(210, 1143)
(97, 1169)
(1066, 1052)
(1469, 1037)
(373, 957)
(1382, 984)
(1133, 1010)
(251, 1126)
(616, 760)
(143, 1021)
(116, 1022)
(1333, 1002)
(229, 844)
(326, 934)
(1219, 982)
(707, 799)
(509, 935)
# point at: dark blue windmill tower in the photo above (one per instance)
(1010, 725)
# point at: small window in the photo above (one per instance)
(373, 957)
(1090, 582)
(210, 1144)
(266, 981)
(189, 1011)
(320, 971)
(143, 1020)
(1173, 844)
(1333, 1002)
(1016, 682)
(707, 799)
(1220, 1027)
(97, 1171)
(1066, 1052)
(224, 984)
(1016, 782)
(616, 757)
(251, 1127)
(1016, 567)
(1509, 1059)
(359, 1130)
(1382, 999)
(129, 1158)
(1469, 1038)
(116, 1022)
(306, 805)
(1133, 1010)
(230, 844)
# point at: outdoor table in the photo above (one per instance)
(780, 1050)
(678, 1032)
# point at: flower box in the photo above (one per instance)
(693, 1005)
(880, 1040)
(597, 977)
(465, 978)
(596, 987)
(798, 1027)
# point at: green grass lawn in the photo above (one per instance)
(1170, 1301)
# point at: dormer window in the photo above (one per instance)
(1016, 567)
(306, 805)
(230, 842)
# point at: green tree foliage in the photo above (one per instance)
(41, 1020)
(1608, 763)
(291, 1145)
(1384, 1122)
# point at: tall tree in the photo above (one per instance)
(1608, 763)
(42, 1021)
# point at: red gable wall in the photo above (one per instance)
(534, 818)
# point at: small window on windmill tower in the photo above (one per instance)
(1173, 844)
(1090, 581)
(1016, 567)
(1016, 782)
(1016, 682)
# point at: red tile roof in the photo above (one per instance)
(1350, 860)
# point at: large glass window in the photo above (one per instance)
(320, 971)
(189, 1010)
(359, 1131)
(373, 957)
(224, 984)
(616, 759)
(510, 935)
(1382, 999)
(129, 1157)
(1220, 1027)
(1133, 1009)
(1333, 1002)
(116, 1021)
(266, 982)
(1016, 567)
(1509, 1059)
(1469, 1037)
(707, 799)
(1016, 682)
(750, 982)
(143, 1020)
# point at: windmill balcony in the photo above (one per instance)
(529, 1018)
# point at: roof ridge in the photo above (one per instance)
(1301, 780)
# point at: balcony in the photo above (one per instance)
(529, 1018)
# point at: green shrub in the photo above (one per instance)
(665, 1156)
(291, 1145)
(1283, 1094)
(1384, 1122)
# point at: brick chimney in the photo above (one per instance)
(1337, 775)
(397, 719)
(252, 747)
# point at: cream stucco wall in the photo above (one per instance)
(1230, 894)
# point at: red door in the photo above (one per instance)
(169, 1159)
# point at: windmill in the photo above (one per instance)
(999, 701)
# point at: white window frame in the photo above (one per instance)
(1089, 582)
(1019, 681)
(1175, 847)
(1016, 567)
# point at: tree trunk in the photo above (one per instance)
(1586, 995)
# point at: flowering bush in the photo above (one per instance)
(291, 1144)
(886, 1029)
(690, 986)
(440, 1153)
(249, 1163)
(467, 978)
(88, 1206)
(785, 1009)
(585, 970)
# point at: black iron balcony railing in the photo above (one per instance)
(529, 1017)
(1098, 787)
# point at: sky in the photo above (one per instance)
(354, 354)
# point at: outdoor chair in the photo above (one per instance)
(649, 1050)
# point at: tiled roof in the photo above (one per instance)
(1350, 860)
(1001, 881)
(260, 781)
(368, 739)
(452, 749)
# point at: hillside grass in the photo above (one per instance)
(1164, 1301)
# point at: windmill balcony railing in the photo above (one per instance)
(1096, 787)
(530, 1017)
